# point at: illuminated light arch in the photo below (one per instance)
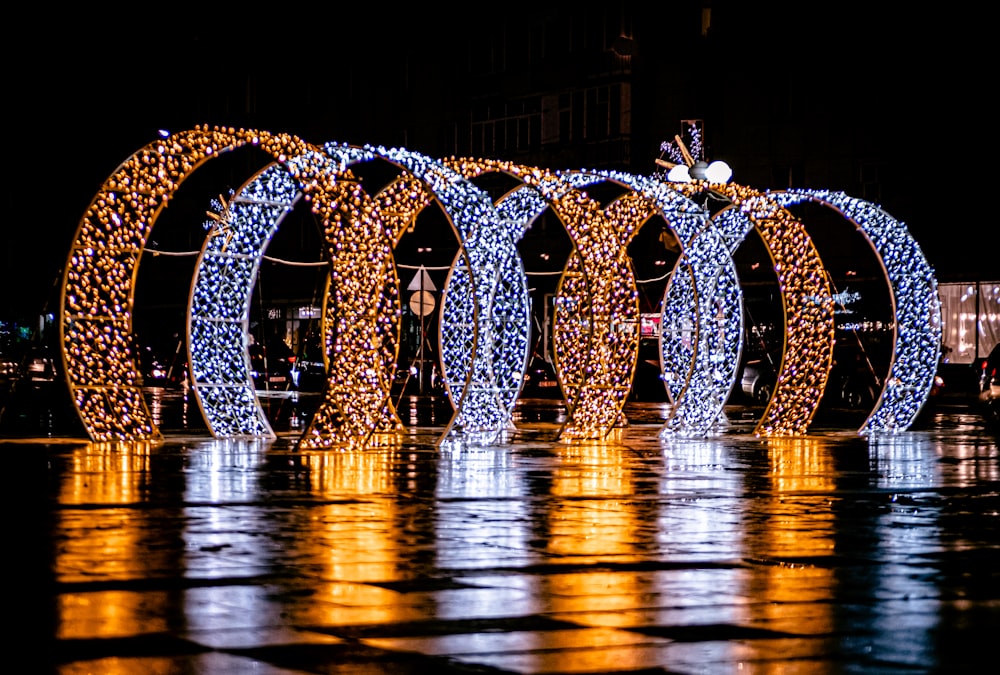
(596, 336)
(98, 347)
(360, 329)
(219, 306)
(916, 307)
(484, 331)
(361, 307)
(594, 406)
(701, 322)
(807, 351)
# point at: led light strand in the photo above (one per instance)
(360, 327)
(355, 409)
(587, 417)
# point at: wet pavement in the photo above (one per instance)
(823, 554)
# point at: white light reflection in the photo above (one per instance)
(225, 538)
(220, 475)
(691, 526)
(483, 521)
(907, 463)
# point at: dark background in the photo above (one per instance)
(839, 89)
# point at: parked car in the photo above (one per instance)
(308, 375)
(161, 370)
(757, 380)
(989, 389)
(271, 365)
(41, 367)
(540, 380)
(853, 382)
(989, 375)
(8, 369)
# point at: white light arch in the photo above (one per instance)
(219, 304)
(916, 307)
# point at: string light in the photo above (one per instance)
(701, 321)
(98, 291)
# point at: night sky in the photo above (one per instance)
(84, 91)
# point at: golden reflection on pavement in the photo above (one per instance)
(534, 557)
(790, 587)
(594, 516)
(355, 539)
(595, 519)
(677, 522)
(104, 538)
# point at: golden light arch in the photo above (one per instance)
(484, 336)
(98, 348)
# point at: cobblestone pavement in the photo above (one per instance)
(829, 553)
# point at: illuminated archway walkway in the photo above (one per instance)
(486, 315)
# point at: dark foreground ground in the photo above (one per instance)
(829, 553)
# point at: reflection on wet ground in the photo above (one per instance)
(822, 554)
